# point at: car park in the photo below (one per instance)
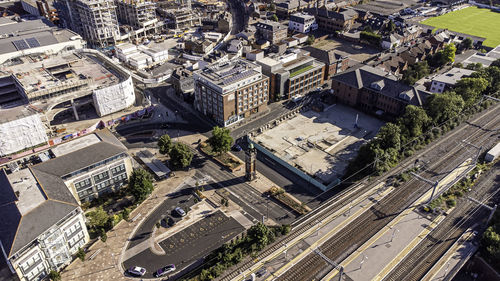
(164, 270)
(180, 211)
(137, 271)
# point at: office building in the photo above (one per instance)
(302, 22)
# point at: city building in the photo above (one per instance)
(271, 31)
(95, 20)
(376, 91)
(335, 61)
(89, 166)
(42, 8)
(340, 20)
(293, 74)
(140, 16)
(21, 128)
(448, 79)
(42, 224)
(182, 81)
(76, 78)
(176, 18)
(231, 91)
(302, 22)
(140, 57)
(21, 38)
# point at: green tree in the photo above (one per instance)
(474, 66)
(442, 107)
(414, 121)
(97, 218)
(496, 63)
(274, 17)
(389, 136)
(181, 155)
(220, 140)
(140, 184)
(467, 43)
(310, 40)
(165, 144)
(261, 235)
(371, 37)
(491, 242)
(80, 254)
(470, 88)
(449, 53)
(272, 7)
(126, 213)
(415, 72)
(54, 275)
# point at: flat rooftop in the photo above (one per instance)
(27, 190)
(40, 75)
(230, 73)
(18, 112)
(75, 145)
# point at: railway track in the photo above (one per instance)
(421, 259)
(368, 224)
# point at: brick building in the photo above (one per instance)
(229, 92)
(271, 31)
(335, 61)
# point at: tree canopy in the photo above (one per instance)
(470, 88)
(181, 155)
(442, 107)
(389, 136)
(97, 218)
(414, 120)
(220, 140)
(165, 144)
(140, 184)
(415, 72)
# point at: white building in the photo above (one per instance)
(42, 224)
(448, 79)
(21, 38)
(114, 98)
(302, 22)
(20, 128)
(140, 57)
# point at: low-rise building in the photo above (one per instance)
(140, 57)
(341, 20)
(448, 79)
(182, 81)
(271, 31)
(293, 74)
(376, 91)
(302, 22)
(42, 224)
(231, 91)
(335, 61)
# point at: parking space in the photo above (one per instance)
(321, 143)
(188, 245)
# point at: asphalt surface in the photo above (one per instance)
(188, 246)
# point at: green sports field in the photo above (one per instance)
(472, 20)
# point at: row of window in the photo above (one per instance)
(31, 261)
(118, 169)
(101, 177)
(83, 184)
(71, 230)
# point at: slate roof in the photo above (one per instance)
(343, 14)
(326, 56)
(365, 76)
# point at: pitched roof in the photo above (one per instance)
(327, 56)
(366, 76)
(19, 230)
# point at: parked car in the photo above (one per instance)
(164, 270)
(236, 147)
(180, 211)
(137, 271)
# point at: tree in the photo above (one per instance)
(220, 140)
(261, 235)
(371, 37)
(272, 7)
(474, 66)
(390, 27)
(442, 107)
(389, 136)
(140, 184)
(80, 254)
(467, 43)
(97, 218)
(496, 63)
(449, 53)
(126, 213)
(310, 40)
(414, 121)
(54, 275)
(415, 72)
(165, 144)
(470, 88)
(180, 155)
(274, 17)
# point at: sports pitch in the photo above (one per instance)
(472, 20)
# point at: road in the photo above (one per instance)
(238, 15)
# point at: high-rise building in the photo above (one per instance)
(231, 91)
(140, 15)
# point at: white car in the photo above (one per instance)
(137, 271)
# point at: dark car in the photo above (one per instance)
(236, 147)
(137, 271)
(164, 270)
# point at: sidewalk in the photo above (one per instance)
(106, 264)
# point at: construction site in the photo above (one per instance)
(320, 144)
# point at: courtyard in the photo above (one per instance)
(472, 20)
(321, 143)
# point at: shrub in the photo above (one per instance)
(80, 254)
(451, 203)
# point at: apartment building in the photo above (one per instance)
(376, 91)
(95, 20)
(293, 74)
(231, 91)
(448, 79)
(43, 8)
(271, 31)
(42, 224)
(340, 20)
(140, 15)
(302, 22)
(335, 61)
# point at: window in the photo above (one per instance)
(83, 184)
(102, 176)
(118, 169)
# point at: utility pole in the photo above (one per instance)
(433, 183)
(492, 209)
